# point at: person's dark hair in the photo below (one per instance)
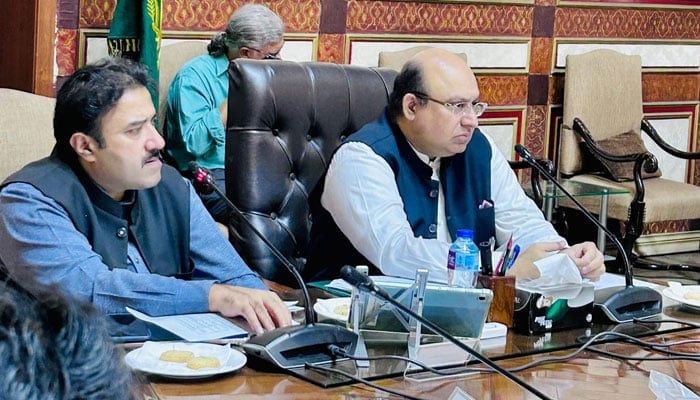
(409, 80)
(55, 347)
(89, 94)
(253, 25)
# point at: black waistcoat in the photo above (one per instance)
(157, 222)
(466, 182)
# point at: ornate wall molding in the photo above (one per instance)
(92, 44)
(503, 55)
(673, 4)
(657, 55)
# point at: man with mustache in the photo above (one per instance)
(397, 190)
(106, 221)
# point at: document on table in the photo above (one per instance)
(608, 280)
(195, 327)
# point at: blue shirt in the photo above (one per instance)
(36, 231)
(193, 126)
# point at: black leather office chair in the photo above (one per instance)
(285, 120)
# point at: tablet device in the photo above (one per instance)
(461, 312)
(125, 328)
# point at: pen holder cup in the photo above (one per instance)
(503, 303)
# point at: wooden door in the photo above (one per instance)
(27, 29)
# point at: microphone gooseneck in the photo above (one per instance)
(204, 183)
(527, 156)
(617, 305)
(291, 346)
(365, 283)
(358, 279)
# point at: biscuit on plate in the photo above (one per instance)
(178, 356)
(343, 309)
(201, 362)
(692, 295)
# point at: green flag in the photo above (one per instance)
(136, 33)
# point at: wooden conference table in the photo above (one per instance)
(588, 375)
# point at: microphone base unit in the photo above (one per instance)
(291, 346)
(615, 304)
(623, 304)
(294, 346)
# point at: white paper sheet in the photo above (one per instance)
(195, 327)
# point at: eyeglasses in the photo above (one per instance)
(459, 107)
(267, 56)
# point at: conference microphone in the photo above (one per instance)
(365, 283)
(291, 346)
(617, 304)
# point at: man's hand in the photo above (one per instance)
(586, 256)
(524, 266)
(588, 259)
(261, 308)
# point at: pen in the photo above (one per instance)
(503, 264)
(497, 271)
(516, 252)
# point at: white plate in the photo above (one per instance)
(328, 308)
(146, 359)
(677, 295)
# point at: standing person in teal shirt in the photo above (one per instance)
(198, 96)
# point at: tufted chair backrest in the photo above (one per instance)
(285, 120)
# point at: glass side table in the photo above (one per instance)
(551, 193)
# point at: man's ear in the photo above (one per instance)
(410, 102)
(83, 145)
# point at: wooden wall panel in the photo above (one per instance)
(668, 28)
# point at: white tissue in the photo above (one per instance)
(667, 388)
(557, 271)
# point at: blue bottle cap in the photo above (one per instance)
(465, 233)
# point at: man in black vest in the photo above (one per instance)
(104, 219)
(397, 190)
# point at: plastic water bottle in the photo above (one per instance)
(463, 260)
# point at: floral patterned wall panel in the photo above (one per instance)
(517, 49)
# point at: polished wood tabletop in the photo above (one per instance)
(588, 375)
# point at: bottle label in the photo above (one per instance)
(461, 260)
(451, 258)
(462, 267)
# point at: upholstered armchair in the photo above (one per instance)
(172, 57)
(26, 129)
(285, 120)
(601, 143)
(396, 59)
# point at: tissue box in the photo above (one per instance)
(553, 309)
